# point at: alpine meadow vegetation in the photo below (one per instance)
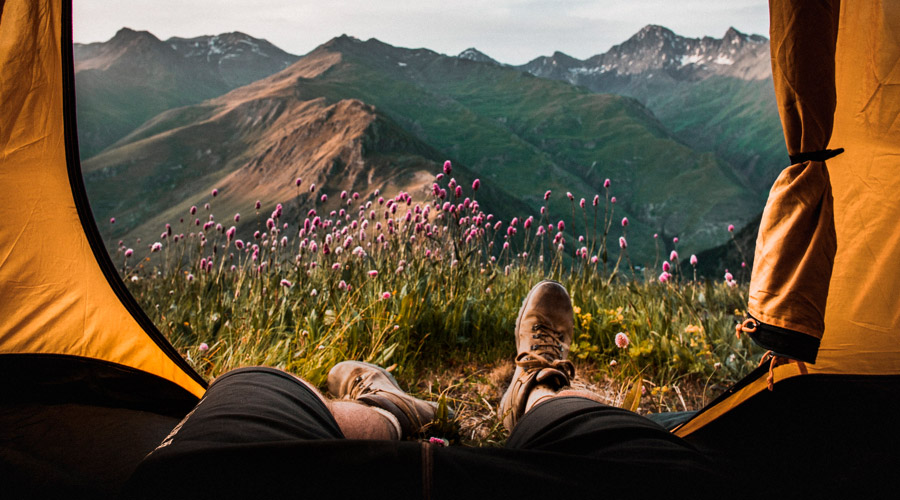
(430, 286)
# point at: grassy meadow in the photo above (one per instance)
(429, 285)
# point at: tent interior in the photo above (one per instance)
(90, 385)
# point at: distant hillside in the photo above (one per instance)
(366, 115)
(713, 94)
(123, 82)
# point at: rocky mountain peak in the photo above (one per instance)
(128, 35)
(225, 46)
(473, 54)
(654, 32)
(658, 50)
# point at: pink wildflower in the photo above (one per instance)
(622, 340)
(623, 244)
(675, 239)
(386, 295)
(237, 217)
(730, 228)
(286, 283)
(666, 266)
(298, 181)
(606, 183)
(673, 256)
(258, 204)
(694, 260)
(215, 192)
(193, 210)
(447, 167)
(203, 347)
(570, 196)
(373, 273)
(624, 221)
(613, 200)
(324, 198)
(596, 200)
(664, 277)
(476, 184)
(156, 247)
(190, 277)
(129, 253)
(547, 195)
(560, 226)
(112, 220)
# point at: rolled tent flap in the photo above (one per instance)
(64, 312)
(797, 242)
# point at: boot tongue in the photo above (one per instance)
(548, 375)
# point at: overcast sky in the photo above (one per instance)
(511, 31)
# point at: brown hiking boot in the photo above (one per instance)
(374, 386)
(544, 331)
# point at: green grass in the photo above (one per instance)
(441, 309)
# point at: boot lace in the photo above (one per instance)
(546, 351)
(362, 384)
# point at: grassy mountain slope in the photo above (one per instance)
(252, 145)
(735, 119)
(531, 134)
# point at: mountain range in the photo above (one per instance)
(123, 82)
(714, 94)
(364, 115)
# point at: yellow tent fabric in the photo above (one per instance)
(796, 243)
(862, 318)
(862, 321)
(54, 296)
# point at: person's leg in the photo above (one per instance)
(261, 432)
(544, 330)
(553, 416)
(356, 421)
(256, 404)
(374, 389)
(359, 421)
